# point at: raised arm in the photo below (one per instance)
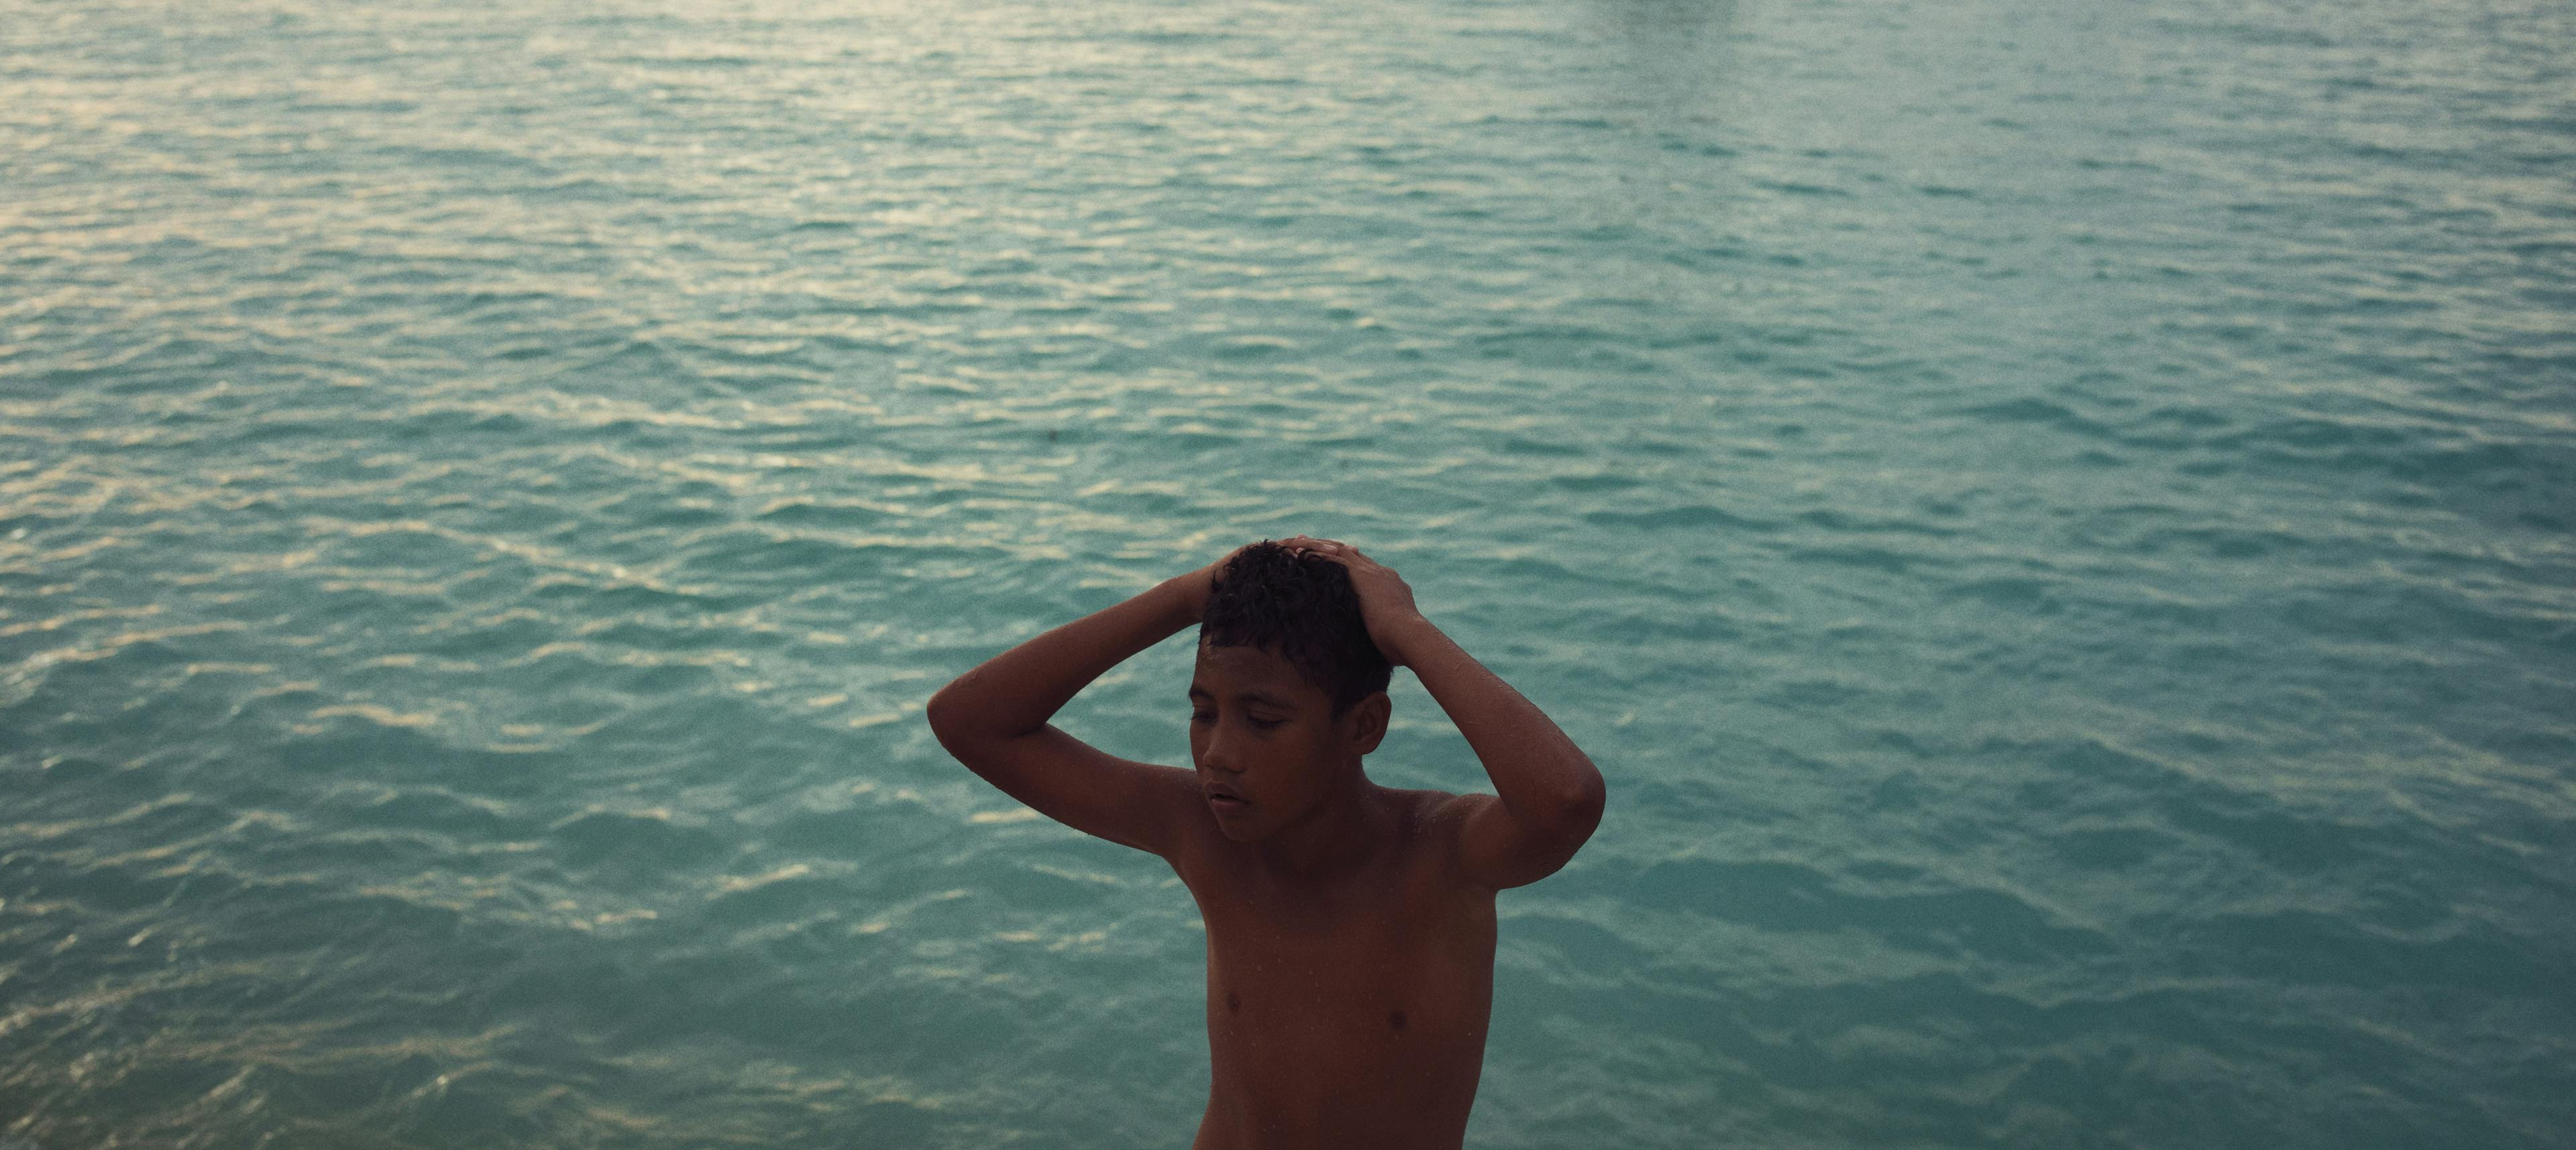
(1548, 796)
(994, 720)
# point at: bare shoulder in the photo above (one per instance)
(1482, 844)
(1418, 811)
(1435, 823)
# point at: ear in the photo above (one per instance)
(1365, 724)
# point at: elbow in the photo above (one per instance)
(936, 712)
(954, 731)
(1587, 803)
(965, 729)
(1578, 809)
(947, 720)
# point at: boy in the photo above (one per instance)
(1350, 927)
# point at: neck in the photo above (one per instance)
(1340, 837)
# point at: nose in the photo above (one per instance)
(1218, 754)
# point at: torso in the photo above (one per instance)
(1350, 1012)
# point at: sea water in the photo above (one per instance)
(2052, 519)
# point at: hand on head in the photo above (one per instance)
(1386, 601)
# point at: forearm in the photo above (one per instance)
(1537, 771)
(1016, 692)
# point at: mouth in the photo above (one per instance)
(1225, 801)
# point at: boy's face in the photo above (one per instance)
(1259, 728)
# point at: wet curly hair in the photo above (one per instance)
(1301, 608)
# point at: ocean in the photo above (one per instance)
(2054, 522)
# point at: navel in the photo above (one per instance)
(1395, 1018)
(1234, 1002)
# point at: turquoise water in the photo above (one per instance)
(2054, 520)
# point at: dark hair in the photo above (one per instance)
(1301, 608)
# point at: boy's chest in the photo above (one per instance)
(1391, 951)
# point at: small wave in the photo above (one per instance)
(1681, 517)
(652, 835)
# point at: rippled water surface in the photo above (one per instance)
(2054, 520)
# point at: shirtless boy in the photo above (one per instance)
(1350, 927)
